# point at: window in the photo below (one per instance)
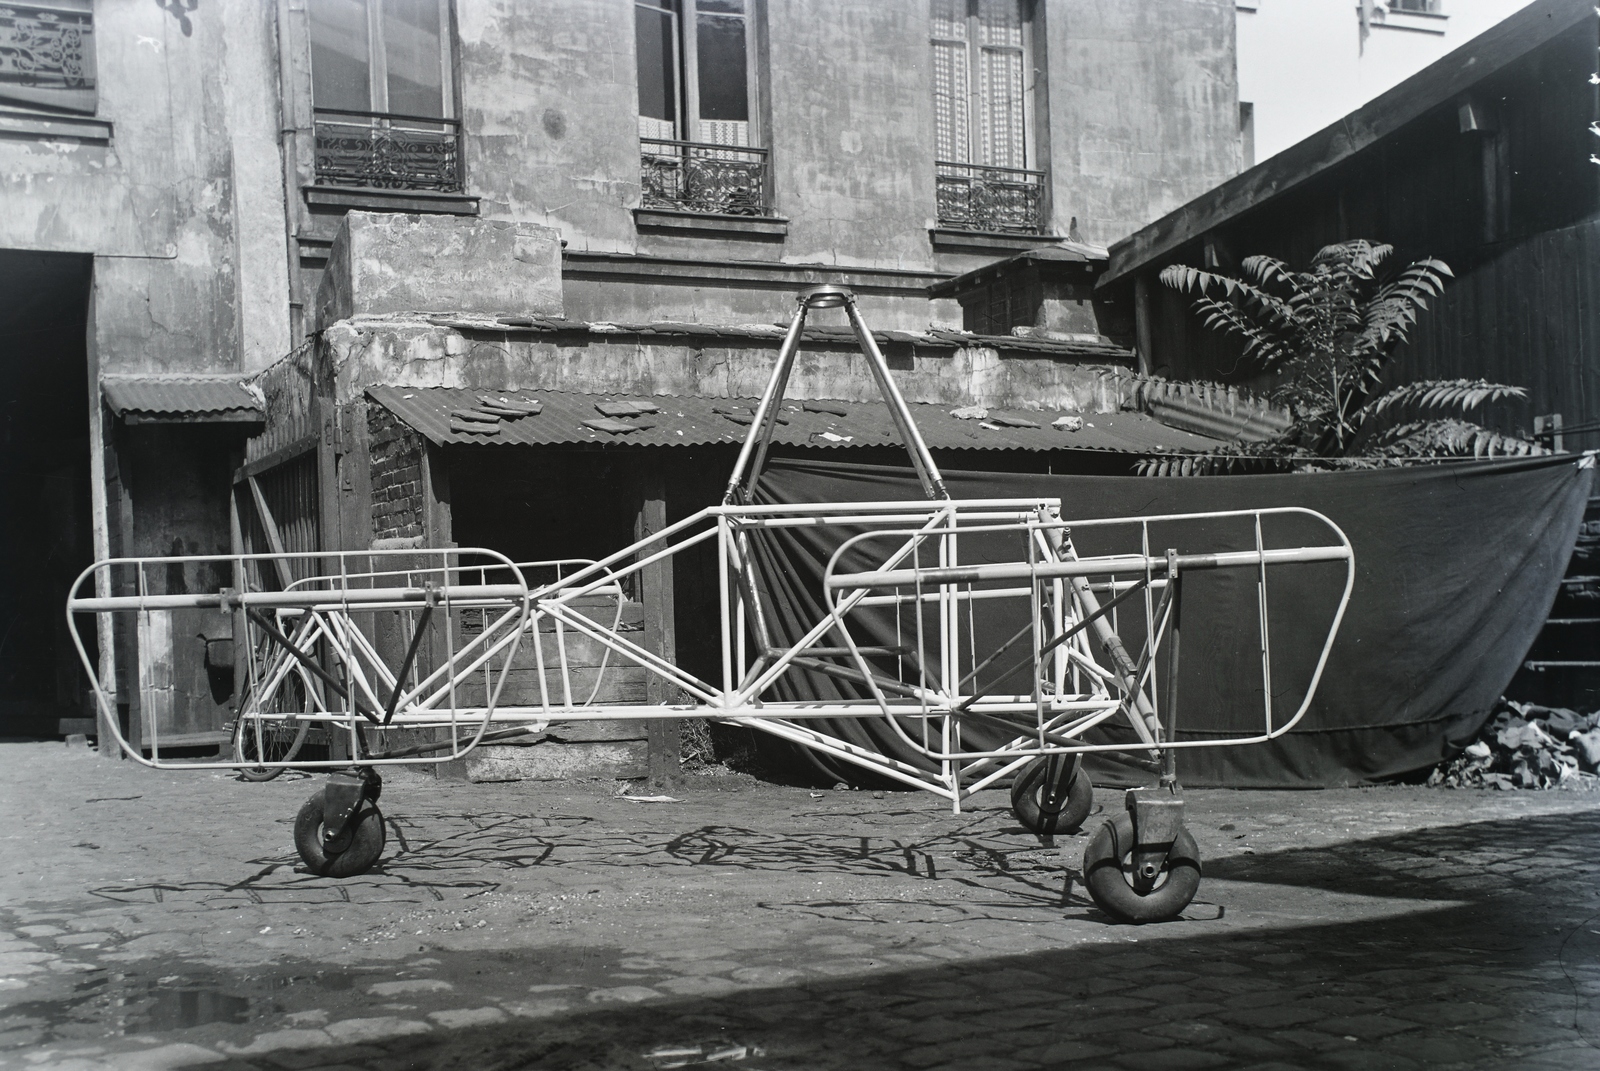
(981, 116)
(694, 70)
(383, 92)
(47, 55)
(697, 130)
(1415, 7)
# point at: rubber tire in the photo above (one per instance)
(366, 844)
(1027, 791)
(1103, 859)
(244, 750)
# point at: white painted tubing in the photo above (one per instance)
(1125, 563)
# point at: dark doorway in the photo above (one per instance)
(45, 530)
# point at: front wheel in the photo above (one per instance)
(366, 840)
(1108, 872)
(259, 738)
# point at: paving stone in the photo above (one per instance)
(1273, 1017)
(986, 970)
(1062, 1052)
(1314, 1040)
(1365, 1027)
(1171, 1060)
(1367, 1059)
(1246, 1046)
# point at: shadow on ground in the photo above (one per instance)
(1493, 956)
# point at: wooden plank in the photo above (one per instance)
(617, 685)
(586, 732)
(582, 652)
(269, 461)
(665, 735)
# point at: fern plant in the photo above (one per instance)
(1328, 335)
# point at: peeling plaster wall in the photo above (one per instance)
(368, 350)
(1136, 112)
(549, 108)
(183, 208)
(1144, 109)
(852, 131)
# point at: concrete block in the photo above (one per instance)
(386, 263)
(558, 762)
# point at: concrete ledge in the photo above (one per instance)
(684, 271)
(474, 266)
(372, 200)
(995, 243)
(710, 225)
(36, 126)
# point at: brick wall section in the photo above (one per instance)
(396, 475)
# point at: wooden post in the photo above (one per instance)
(659, 635)
(1142, 324)
(127, 639)
(438, 530)
(436, 519)
(330, 445)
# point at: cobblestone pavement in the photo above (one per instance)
(158, 920)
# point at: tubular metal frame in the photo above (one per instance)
(1084, 673)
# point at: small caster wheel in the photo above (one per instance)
(363, 848)
(1063, 814)
(1109, 874)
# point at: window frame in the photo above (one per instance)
(378, 63)
(684, 16)
(974, 94)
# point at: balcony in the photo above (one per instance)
(997, 200)
(376, 151)
(689, 176)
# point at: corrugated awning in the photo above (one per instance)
(444, 415)
(160, 399)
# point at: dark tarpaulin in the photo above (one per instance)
(1457, 566)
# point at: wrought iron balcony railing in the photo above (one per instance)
(388, 152)
(690, 176)
(976, 198)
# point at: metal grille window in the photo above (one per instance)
(981, 116)
(697, 88)
(47, 55)
(382, 88)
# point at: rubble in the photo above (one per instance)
(1525, 745)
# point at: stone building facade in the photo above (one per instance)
(226, 223)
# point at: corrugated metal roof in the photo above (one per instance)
(695, 421)
(934, 338)
(179, 395)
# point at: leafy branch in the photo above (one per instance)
(1329, 334)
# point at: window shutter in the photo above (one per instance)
(1000, 88)
(951, 138)
(47, 55)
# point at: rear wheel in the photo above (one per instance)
(1109, 873)
(365, 848)
(265, 733)
(1072, 802)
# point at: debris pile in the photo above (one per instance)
(1525, 745)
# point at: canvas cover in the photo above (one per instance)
(1457, 566)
